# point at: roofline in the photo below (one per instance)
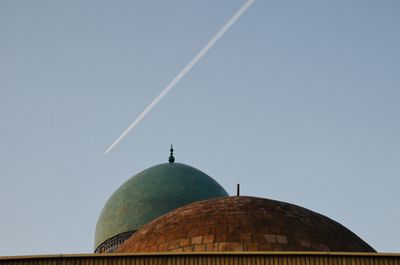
(221, 253)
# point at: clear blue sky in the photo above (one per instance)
(298, 102)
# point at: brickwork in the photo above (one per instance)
(243, 224)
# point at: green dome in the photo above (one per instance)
(150, 194)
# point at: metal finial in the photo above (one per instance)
(171, 158)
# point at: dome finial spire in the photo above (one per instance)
(171, 158)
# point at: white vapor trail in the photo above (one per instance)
(184, 71)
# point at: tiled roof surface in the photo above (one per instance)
(150, 194)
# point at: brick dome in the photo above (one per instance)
(243, 224)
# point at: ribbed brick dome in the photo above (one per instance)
(243, 224)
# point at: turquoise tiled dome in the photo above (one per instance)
(150, 194)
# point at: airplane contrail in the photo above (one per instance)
(184, 71)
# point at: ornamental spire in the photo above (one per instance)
(171, 158)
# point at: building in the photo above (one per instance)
(173, 213)
(175, 207)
